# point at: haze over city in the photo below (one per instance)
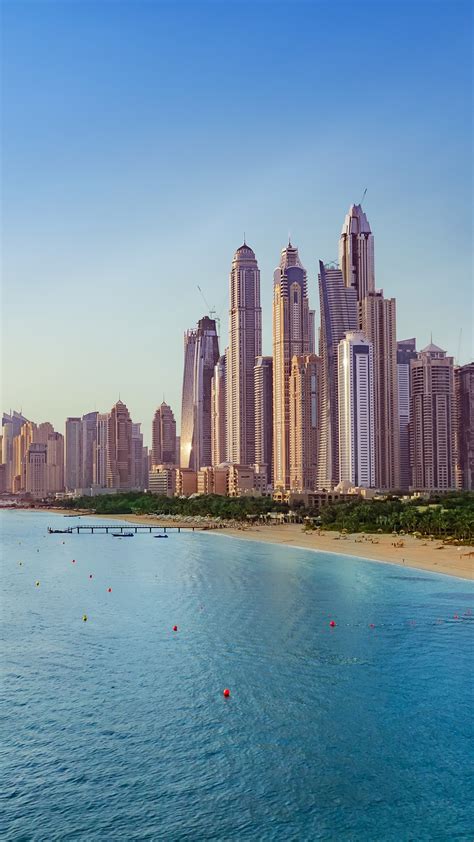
(139, 148)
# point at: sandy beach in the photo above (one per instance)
(421, 554)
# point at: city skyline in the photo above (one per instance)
(156, 166)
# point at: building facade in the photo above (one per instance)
(73, 462)
(377, 319)
(263, 377)
(432, 420)
(291, 337)
(339, 314)
(464, 426)
(218, 413)
(164, 436)
(356, 408)
(55, 462)
(245, 344)
(356, 253)
(119, 448)
(406, 351)
(305, 388)
(88, 449)
(36, 470)
(201, 353)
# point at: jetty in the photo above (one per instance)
(102, 528)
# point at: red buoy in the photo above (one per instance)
(175, 628)
(74, 561)
(372, 626)
(109, 590)
(332, 623)
(456, 617)
(226, 692)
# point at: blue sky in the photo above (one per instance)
(141, 139)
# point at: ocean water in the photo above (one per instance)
(117, 729)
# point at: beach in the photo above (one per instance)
(422, 554)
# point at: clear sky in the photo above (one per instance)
(141, 139)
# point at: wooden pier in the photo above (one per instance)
(101, 528)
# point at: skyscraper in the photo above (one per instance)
(432, 420)
(305, 386)
(101, 450)
(464, 426)
(245, 344)
(406, 351)
(11, 425)
(356, 253)
(73, 469)
(164, 436)
(119, 450)
(201, 354)
(264, 414)
(36, 470)
(290, 338)
(377, 318)
(218, 413)
(55, 462)
(88, 448)
(356, 411)
(21, 443)
(338, 306)
(139, 478)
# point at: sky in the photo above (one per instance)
(142, 139)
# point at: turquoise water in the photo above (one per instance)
(116, 728)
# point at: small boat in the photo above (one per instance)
(122, 534)
(162, 535)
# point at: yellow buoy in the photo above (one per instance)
(37, 584)
(84, 617)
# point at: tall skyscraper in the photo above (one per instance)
(356, 411)
(290, 338)
(73, 469)
(119, 450)
(245, 344)
(305, 387)
(377, 318)
(36, 470)
(201, 354)
(55, 462)
(21, 444)
(464, 426)
(139, 478)
(218, 413)
(101, 450)
(264, 414)
(88, 448)
(338, 305)
(432, 420)
(356, 253)
(12, 423)
(406, 351)
(164, 436)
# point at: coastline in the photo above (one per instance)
(431, 555)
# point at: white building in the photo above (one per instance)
(356, 411)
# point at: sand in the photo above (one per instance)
(421, 554)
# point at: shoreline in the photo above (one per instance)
(419, 554)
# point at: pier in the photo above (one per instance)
(102, 528)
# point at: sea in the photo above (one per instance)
(115, 727)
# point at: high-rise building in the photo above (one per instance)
(432, 420)
(338, 305)
(55, 462)
(11, 425)
(119, 450)
(264, 414)
(406, 351)
(312, 332)
(164, 436)
(356, 253)
(101, 450)
(245, 344)
(218, 413)
(305, 387)
(377, 319)
(356, 411)
(73, 467)
(36, 470)
(42, 432)
(88, 448)
(21, 443)
(201, 353)
(464, 426)
(290, 338)
(139, 479)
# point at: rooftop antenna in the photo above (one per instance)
(363, 196)
(212, 310)
(245, 242)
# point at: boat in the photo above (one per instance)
(122, 534)
(162, 535)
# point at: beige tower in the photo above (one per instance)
(432, 420)
(464, 428)
(290, 337)
(164, 436)
(119, 461)
(218, 413)
(377, 317)
(55, 462)
(305, 387)
(36, 470)
(245, 344)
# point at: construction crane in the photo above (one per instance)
(212, 312)
(363, 196)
